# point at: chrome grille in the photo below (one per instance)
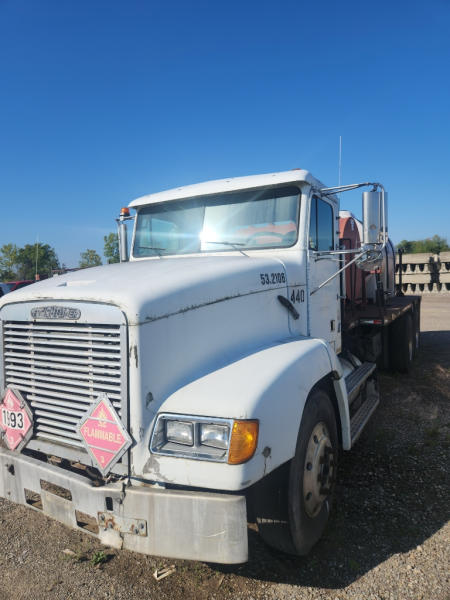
(61, 369)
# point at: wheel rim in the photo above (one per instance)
(318, 470)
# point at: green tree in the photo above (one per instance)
(36, 257)
(9, 254)
(89, 258)
(111, 248)
(406, 246)
(437, 244)
(433, 245)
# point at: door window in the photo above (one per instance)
(321, 235)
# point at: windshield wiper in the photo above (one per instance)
(155, 248)
(233, 244)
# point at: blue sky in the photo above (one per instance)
(101, 102)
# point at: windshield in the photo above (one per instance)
(265, 218)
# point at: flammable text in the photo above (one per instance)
(101, 434)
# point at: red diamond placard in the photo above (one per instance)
(103, 434)
(16, 419)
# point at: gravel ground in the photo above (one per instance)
(388, 537)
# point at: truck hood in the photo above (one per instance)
(158, 288)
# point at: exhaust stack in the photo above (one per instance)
(123, 232)
(374, 208)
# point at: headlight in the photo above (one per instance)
(215, 436)
(203, 438)
(180, 432)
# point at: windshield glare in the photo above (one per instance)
(237, 221)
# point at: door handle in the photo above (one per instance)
(288, 304)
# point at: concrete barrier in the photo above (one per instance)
(415, 278)
(410, 288)
(420, 267)
(419, 258)
(424, 273)
(444, 262)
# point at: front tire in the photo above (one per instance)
(292, 504)
(313, 472)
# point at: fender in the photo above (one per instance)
(271, 385)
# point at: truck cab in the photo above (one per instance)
(210, 378)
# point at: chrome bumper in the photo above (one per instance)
(177, 524)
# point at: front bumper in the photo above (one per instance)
(173, 523)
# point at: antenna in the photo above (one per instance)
(36, 269)
(340, 159)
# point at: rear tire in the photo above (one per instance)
(416, 320)
(403, 343)
(293, 510)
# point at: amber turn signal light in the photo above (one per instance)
(244, 438)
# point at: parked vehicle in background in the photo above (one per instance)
(212, 378)
(11, 286)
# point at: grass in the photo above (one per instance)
(99, 558)
(76, 556)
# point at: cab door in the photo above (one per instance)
(324, 304)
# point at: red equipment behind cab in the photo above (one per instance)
(349, 237)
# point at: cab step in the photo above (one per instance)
(362, 415)
(357, 378)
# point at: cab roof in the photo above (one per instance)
(228, 185)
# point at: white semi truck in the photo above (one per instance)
(213, 376)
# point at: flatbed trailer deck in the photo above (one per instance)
(372, 314)
(389, 321)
